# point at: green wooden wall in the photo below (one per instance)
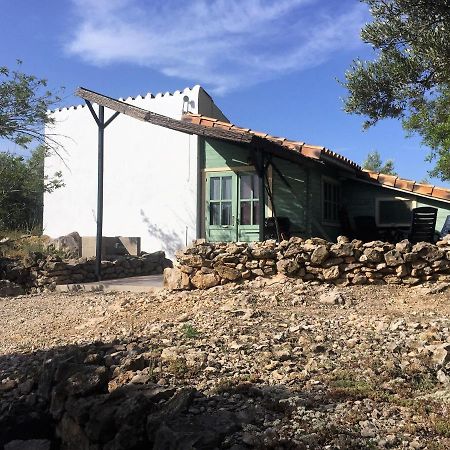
(220, 154)
(301, 201)
(360, 200)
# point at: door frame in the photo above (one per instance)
(235, 172)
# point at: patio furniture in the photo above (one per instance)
(423, 224)
(445, 229)
(344, 219)
(284, 228)
(366, 228)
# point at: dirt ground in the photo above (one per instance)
(373, 361)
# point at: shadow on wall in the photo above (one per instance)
(169, 240)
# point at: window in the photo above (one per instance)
(331, 200)
(394, 211)
(220, 195)
(249, 199)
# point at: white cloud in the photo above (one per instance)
(222, 44)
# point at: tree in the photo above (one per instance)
(24, 102)
(374, 163)
(409, 79)
(22, 187)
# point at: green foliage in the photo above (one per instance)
(410, 75)
(22, 186)
(24, 101)
(373, 162)
(190, 331)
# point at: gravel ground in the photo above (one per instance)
(349, 367)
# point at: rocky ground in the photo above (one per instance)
(276, 364)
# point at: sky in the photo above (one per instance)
(271, 66)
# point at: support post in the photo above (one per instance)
(101, 124)
(262, 193)
(100, 167)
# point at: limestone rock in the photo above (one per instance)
(331, 273)
(393, 258)
(229, 273)
(191, 260)
(319, 255)
(332, 298)
(205, 280)
(342, 249)
(371, 255)
(70, 244)
(176, 279)
(287, 266)
(427, 251)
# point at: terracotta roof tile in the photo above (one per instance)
(406, 185)
(388, 180)
(315, 152)
(311, 152)
(441, 193)
(425, 189)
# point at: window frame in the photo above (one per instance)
(332, 182)
(378, 200)
(251, 200)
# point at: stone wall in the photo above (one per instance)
(45, 273)
(204, 265)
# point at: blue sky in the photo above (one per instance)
(269, 65)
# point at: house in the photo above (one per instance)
(150, 176)
(188, 169)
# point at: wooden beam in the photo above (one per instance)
(158, 119)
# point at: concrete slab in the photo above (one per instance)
(145, 283)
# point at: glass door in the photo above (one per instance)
(221, 207)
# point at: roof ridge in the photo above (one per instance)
(131, 98)
(309, 150)
(315, 152)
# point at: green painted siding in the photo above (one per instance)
(317, 225)
(220, 154)
(360, 200)
(291, 201)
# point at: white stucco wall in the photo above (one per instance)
(150, 175)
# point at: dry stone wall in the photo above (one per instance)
(204, 265)
(45, 273)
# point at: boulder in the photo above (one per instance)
(342, 249)
(70, 244)
(319, 255)
(191, 260)
(332, 298)
(205, 280)
(229, 273)
(331, 273)
(393, 258)
(371, 255)
(427, 251)
(176, 279)
(287, 266)
(263, 251)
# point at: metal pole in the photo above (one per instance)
(101, 139)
